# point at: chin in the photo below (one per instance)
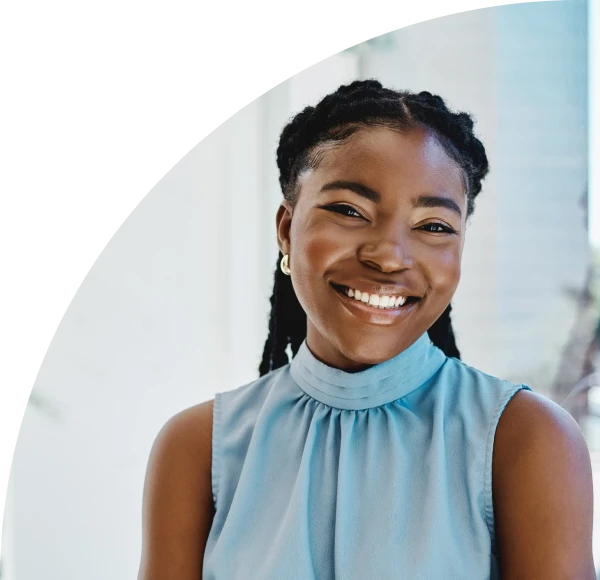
(365, 353)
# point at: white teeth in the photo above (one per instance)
(375, 300)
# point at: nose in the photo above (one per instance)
(387, 251)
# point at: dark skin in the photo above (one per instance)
(390, 246)
(542, 482)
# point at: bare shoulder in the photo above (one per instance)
(542, 492)
(185, 441)
(189, 431)
(533, 423)
(178, 506)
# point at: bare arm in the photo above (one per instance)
(178, 506)
(542, 488)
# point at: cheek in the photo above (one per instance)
(444, 268)
(314, 248)
(314, 251)
(318, 253)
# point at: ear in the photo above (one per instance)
(283, 222)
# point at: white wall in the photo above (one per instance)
(594, 119)
(172, 311)
(146, 335)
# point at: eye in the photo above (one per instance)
(437, 228)
(343, 209)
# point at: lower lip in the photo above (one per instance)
(375, 315)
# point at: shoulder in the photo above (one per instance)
(188, 434)
(542, 491)
(177, 504)
(181, 455)
(532, 424)
(191, 421)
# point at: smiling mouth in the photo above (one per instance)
(375, 301)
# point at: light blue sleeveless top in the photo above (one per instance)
(320, 474)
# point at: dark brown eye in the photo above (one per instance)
(438, 228)
(343, 209)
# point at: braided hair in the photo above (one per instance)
(334, 119)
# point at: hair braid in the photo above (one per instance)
(334, 119)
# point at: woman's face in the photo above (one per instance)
(384, 213)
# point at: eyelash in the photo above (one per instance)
(341, 208)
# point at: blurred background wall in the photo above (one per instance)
(176, 306)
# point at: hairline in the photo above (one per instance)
(312, 157)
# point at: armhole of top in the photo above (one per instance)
(215, 448)
(487, 472)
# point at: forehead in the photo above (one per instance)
(411, 161)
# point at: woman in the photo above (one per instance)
(375, 453)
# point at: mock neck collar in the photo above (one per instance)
(380, 384)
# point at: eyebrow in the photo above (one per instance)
(372, 195)
(354, 186)
(435, 201)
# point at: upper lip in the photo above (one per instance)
(378, 288)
